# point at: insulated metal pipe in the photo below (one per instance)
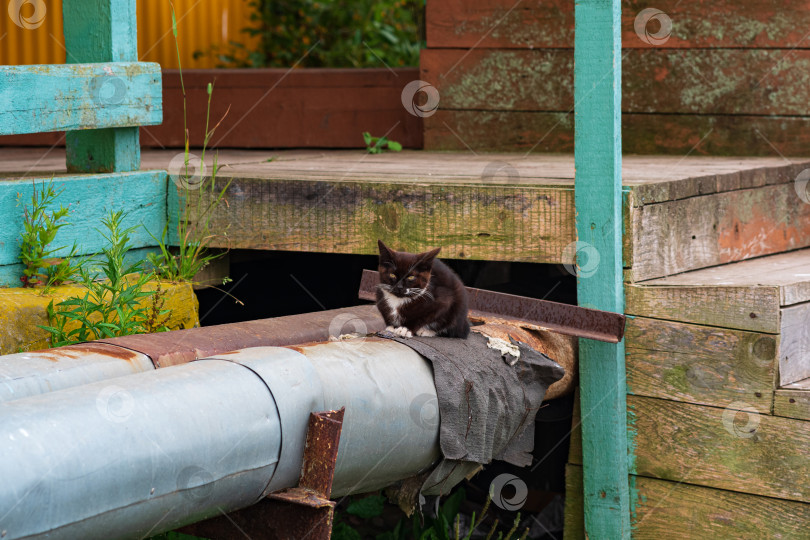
(145, 453)
(31, 373)
(37, 372)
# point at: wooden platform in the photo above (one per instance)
(718, 383)
(681, 213)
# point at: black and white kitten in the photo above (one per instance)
(419, 295)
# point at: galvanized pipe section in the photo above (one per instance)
(37, 372)
(136, 455)
(31, 373)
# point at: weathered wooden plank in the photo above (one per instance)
(726, 307)
(598, 193)
(793, 400)
(525, 131)
(473, 221)
(79, 96)
(682, 81)
(794, 356)
(698, 232)
(105, 31)
(543, 23)
(90, 198)
(574, 520)
(683, 511)
(685, 176)
(722, 448)
(700, 364)
(786, 271)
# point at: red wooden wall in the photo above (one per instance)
(728, 77)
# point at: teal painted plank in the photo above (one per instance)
(597, 152)
(103, 31)
(10, 273)
(81, 96)
(141, 194)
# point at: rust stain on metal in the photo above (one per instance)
(181, 346)
(541, 314)
(73, 352)
(100, 348)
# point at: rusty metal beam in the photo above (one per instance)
(302, 512)
(181, 346)
(536, 314)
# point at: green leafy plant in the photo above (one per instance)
(329, 33)
(375, 145)
(191, 254)
(41, 222)
(445, 526)
(114, 305)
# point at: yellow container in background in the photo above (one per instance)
(200, 24)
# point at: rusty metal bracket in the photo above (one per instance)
(542, 314)
(302, 512)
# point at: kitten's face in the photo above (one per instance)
(405, 274)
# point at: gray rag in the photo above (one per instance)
(487, 407)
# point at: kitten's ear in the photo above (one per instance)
(426, 258)
(386, 253)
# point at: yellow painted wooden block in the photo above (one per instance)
(22, 311)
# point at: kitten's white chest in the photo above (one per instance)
(395, 303)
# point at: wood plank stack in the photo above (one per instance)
(721, 78)
(718, 382)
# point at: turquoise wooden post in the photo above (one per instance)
(102, 31)
(598, 157)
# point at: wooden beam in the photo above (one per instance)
(673, 134)
(700, 364)
(539, 24)
(141, 194)
(598, 199)
(714, 81)
(88, 96)
(473, 220)
(103, 31)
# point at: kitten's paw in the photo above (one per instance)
(402, 331)
(390, 329)
(424, 332)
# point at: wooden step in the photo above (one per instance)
(680, 213)
(769, 297)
